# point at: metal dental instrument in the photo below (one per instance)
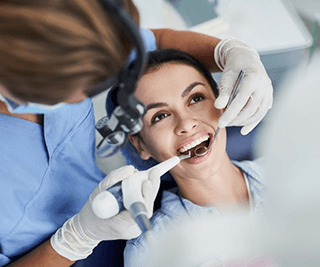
(202, 150)
(127, 195)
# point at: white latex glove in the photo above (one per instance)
(255, 95)
(150, 189)
(80, 234)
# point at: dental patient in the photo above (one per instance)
(179, 94)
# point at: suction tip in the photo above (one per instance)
(185, 156)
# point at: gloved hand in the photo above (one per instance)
(80, 234)
(254, 97)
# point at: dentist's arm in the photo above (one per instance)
(43, 255)
(229, 55)
(199, 45)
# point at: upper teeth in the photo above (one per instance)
(194, 143)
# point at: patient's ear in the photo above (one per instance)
(140, 147)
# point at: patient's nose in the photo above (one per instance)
(186, 125)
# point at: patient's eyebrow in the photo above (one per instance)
(184, 93)
(156, 105)
(189, 88)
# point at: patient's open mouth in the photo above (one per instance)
(203, 141)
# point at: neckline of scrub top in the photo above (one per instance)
(25, 126)
(56, 125)
(62, 122)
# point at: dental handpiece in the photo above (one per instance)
(202, 150)
(127, 195)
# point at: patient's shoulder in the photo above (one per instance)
(254, 169)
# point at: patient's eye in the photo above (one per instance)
(158, 117)
(196, 98)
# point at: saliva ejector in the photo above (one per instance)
(127, 195)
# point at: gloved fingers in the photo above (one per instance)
(227, 81)
(151, 186)
(154, 178)
(122, 226)
(252, 106)
(147, 194)
(249, 127)
(258, 115)
(254, 120)
(240, 100)
(222, 99)
(150, 189)
(113, 178)
(146, 189)
(117, 176)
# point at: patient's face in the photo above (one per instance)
(180, 114)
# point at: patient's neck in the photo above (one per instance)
(227, 187)
(29, 117)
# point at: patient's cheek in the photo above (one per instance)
(216, 113)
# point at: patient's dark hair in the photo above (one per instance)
(160, 57)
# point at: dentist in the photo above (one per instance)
(51, 52)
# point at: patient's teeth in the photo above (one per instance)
(193, 143)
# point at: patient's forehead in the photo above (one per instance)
(171, 70)
(169, 75)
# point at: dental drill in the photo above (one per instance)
(127, 195)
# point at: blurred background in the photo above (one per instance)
(284, 32)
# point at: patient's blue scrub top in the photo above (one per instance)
(47, 173)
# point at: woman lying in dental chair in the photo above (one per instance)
(179, 94)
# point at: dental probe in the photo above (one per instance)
(127, 195)
(234, 92)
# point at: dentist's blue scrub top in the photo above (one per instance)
(47, 173)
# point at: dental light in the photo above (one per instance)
(126, 118)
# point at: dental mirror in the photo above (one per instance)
(202, 150)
